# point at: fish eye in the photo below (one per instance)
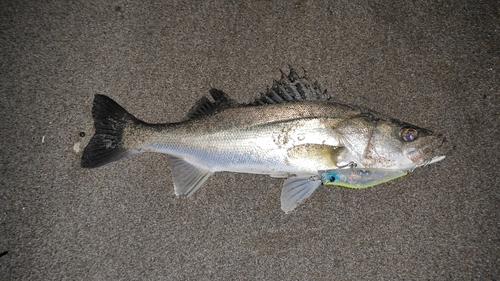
(408, 134)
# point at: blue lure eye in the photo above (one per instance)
(408, 134)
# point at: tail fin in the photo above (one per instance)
(106, 145)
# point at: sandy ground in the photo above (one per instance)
(431, 64)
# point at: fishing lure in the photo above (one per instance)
(358, 177)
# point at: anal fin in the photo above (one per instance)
(187, 178)
(296, 190)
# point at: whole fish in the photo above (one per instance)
(293, 130)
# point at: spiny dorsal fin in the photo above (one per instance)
(204, 106)
(292, 87)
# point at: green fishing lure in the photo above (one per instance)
(358, 177)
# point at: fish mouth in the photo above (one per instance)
(436, 159)
(428, 162)
(433, 152)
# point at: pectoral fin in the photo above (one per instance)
(187, 178)
(323, 155)
(296, 190)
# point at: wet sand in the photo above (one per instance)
(433, 65)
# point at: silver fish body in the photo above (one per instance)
(291, 131)
(261, 140)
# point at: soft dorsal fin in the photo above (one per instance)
(292, 87)
(204, 106)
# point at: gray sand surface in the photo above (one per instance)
(435, 65)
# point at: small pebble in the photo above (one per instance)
(76, 147)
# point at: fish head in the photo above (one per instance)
(398, 145)
(391, 144)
